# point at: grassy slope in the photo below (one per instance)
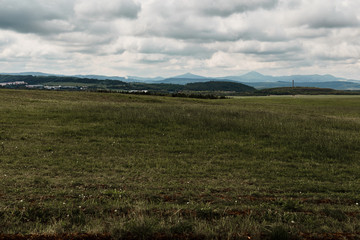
(95, 162)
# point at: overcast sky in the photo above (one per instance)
(171, 37)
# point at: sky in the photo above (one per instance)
(152, 38)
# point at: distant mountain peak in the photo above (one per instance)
(253, 74)
(190, 75)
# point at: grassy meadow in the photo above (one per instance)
(143, 167)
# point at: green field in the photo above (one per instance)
(146, 167)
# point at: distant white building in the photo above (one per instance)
(35, 86)
(52, 87)
(12, 83)
(138, 91)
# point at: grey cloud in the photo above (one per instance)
(226, 8)
(58, 16)
(204, 29)
(34, 16)
(205, 35)
(151, 58)
(196, 35)
(292, 51)
(340, 52)
(5, 42)
(153, 61)
(170, 34)
(339, 21)
(308, 33)
(206, 21)
(190, 29)
(82, 42)
(176, 49)
(107, 9)
(272, 51)
(264, 35)
(289, 58)
(329, 16)
(159, 45)
(334, 58)
(216, 8)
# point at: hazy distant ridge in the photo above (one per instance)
(253, 79)
(189, 77)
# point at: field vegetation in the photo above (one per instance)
(302, 91)
(145, 167)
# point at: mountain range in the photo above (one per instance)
(253, 79)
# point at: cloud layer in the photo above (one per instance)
(155, 37)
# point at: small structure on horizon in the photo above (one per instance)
(293, 83)
(3, 84)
